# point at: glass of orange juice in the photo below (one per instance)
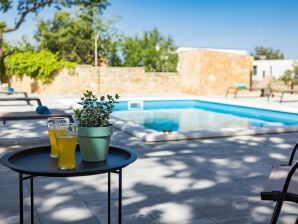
(66, 138)
(52, 121)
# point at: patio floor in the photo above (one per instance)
(201, 181)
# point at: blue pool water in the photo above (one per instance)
(188, 115)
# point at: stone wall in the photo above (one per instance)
(201, 72)
(137, 81)
(102, 80)
(206, 72)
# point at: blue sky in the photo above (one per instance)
(227, 24)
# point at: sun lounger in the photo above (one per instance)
(14, 92)
(256, 86)
(280, 87)
(4, 89)
(27, 99)
(282, 185)
(292, 91)
(32, 115)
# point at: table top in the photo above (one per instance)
(37, 161)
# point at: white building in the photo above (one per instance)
(275, 68)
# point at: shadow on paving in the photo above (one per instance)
(204, 181)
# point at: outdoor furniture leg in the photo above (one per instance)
(109, 197)
(281, 97)
(290, 163)
(227, 92)
(32, 199)
(119, 172)
(120, 197)
(39, 102)
(21, 198)
(233, 90)
(269, 95)
(282, 198)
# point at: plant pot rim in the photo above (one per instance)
(96, 127)
(95, 131)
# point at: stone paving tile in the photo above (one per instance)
(65, 209)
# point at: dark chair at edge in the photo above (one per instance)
(282, 185)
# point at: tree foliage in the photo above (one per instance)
(291, 74)
(153, 51)
(73, 37)
(25, 7)
(22, 45)
(267, 53)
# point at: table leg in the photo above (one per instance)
(21, 198)
(109, 197)
(32, 199)
(120, 197)
(119, 172)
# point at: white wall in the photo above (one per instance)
(275, 68)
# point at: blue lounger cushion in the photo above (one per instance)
(241, 86)
(43, 110)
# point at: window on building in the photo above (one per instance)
(255, 72)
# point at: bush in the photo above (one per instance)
(41, 65)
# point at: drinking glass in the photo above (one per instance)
(66, 138)
(52, 121)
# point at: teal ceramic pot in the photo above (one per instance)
(94, 142)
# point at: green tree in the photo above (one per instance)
(266, 53)
(25, 7)
(295, 69)
(287, 76)
(73, 37)
(153, 51)
(22, 45)
(291, 74)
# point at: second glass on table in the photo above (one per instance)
(52, 122)
(66, 139)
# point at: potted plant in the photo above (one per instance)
(95, 131)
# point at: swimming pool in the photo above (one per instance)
(157, 120)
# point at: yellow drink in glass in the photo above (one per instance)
(54, 148)
(52, 122)
(67, 148)
(66, 138)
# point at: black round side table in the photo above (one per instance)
(34, 162)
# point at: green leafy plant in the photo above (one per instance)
(95, 113)
(41, 65)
